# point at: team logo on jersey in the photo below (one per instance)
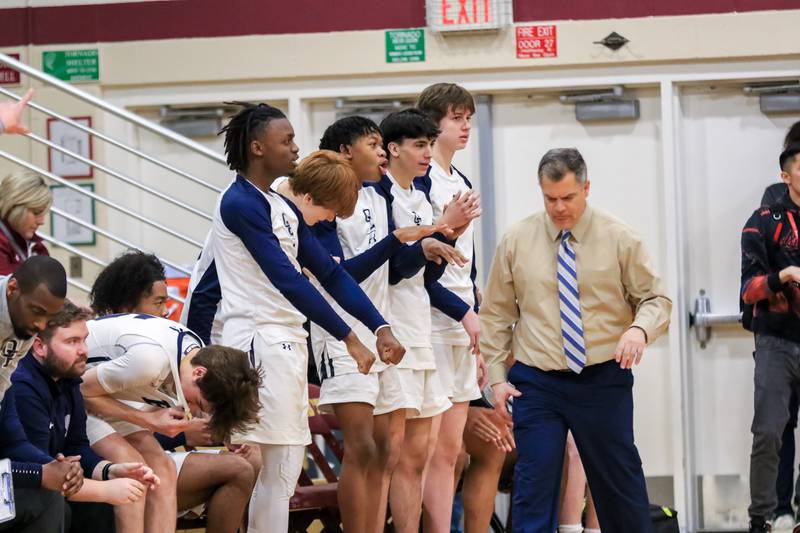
(286, 224)
(372, 230)
(286, 346)
(417, 218)
(10, 351)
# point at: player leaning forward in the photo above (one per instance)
(143, 358)
(260, 243)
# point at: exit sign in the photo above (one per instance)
(9, 76)
(468, 15)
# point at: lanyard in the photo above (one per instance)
(177, 368)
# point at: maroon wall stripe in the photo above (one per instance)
(200, 18)
(525, 10)
(214, 18)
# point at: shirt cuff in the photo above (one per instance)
(774, 282)
(646, 328)
(26, 475)
(394, 243)
(497, 373)
(380, 328)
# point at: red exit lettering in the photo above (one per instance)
(469, 12)
(545, 31)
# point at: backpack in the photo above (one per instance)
(665, 519)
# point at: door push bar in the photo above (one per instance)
(702, 319)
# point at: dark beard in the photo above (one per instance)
(55, 371)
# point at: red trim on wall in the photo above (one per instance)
(200, 18)
(529, 10)
(169, 19)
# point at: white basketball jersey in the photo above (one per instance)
(113, 339)
(410, 304)
(368, 225)
(250, 301)
(457, 279)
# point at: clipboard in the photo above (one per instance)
(7, 508)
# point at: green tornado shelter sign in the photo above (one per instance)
(405, 46)
(72, 65)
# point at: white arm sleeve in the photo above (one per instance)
(143, 364)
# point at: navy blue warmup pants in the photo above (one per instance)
(597, 406)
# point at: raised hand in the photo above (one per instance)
(463, 209)
(11, 114)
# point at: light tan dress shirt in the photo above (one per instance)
(617, 284)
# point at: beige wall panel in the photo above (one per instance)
(656, 39)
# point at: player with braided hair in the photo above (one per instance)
(253, 260)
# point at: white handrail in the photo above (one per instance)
(109, 203)
(112, 141)
(114, 110)
(118, 175)
(111, 236)
(89, 257)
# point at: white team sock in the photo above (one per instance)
(570, 528)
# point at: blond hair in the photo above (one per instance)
(330, 181)
(20, 192)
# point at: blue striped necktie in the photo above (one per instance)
(570, 307)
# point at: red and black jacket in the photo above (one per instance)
(770, 243)
(14, 249)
